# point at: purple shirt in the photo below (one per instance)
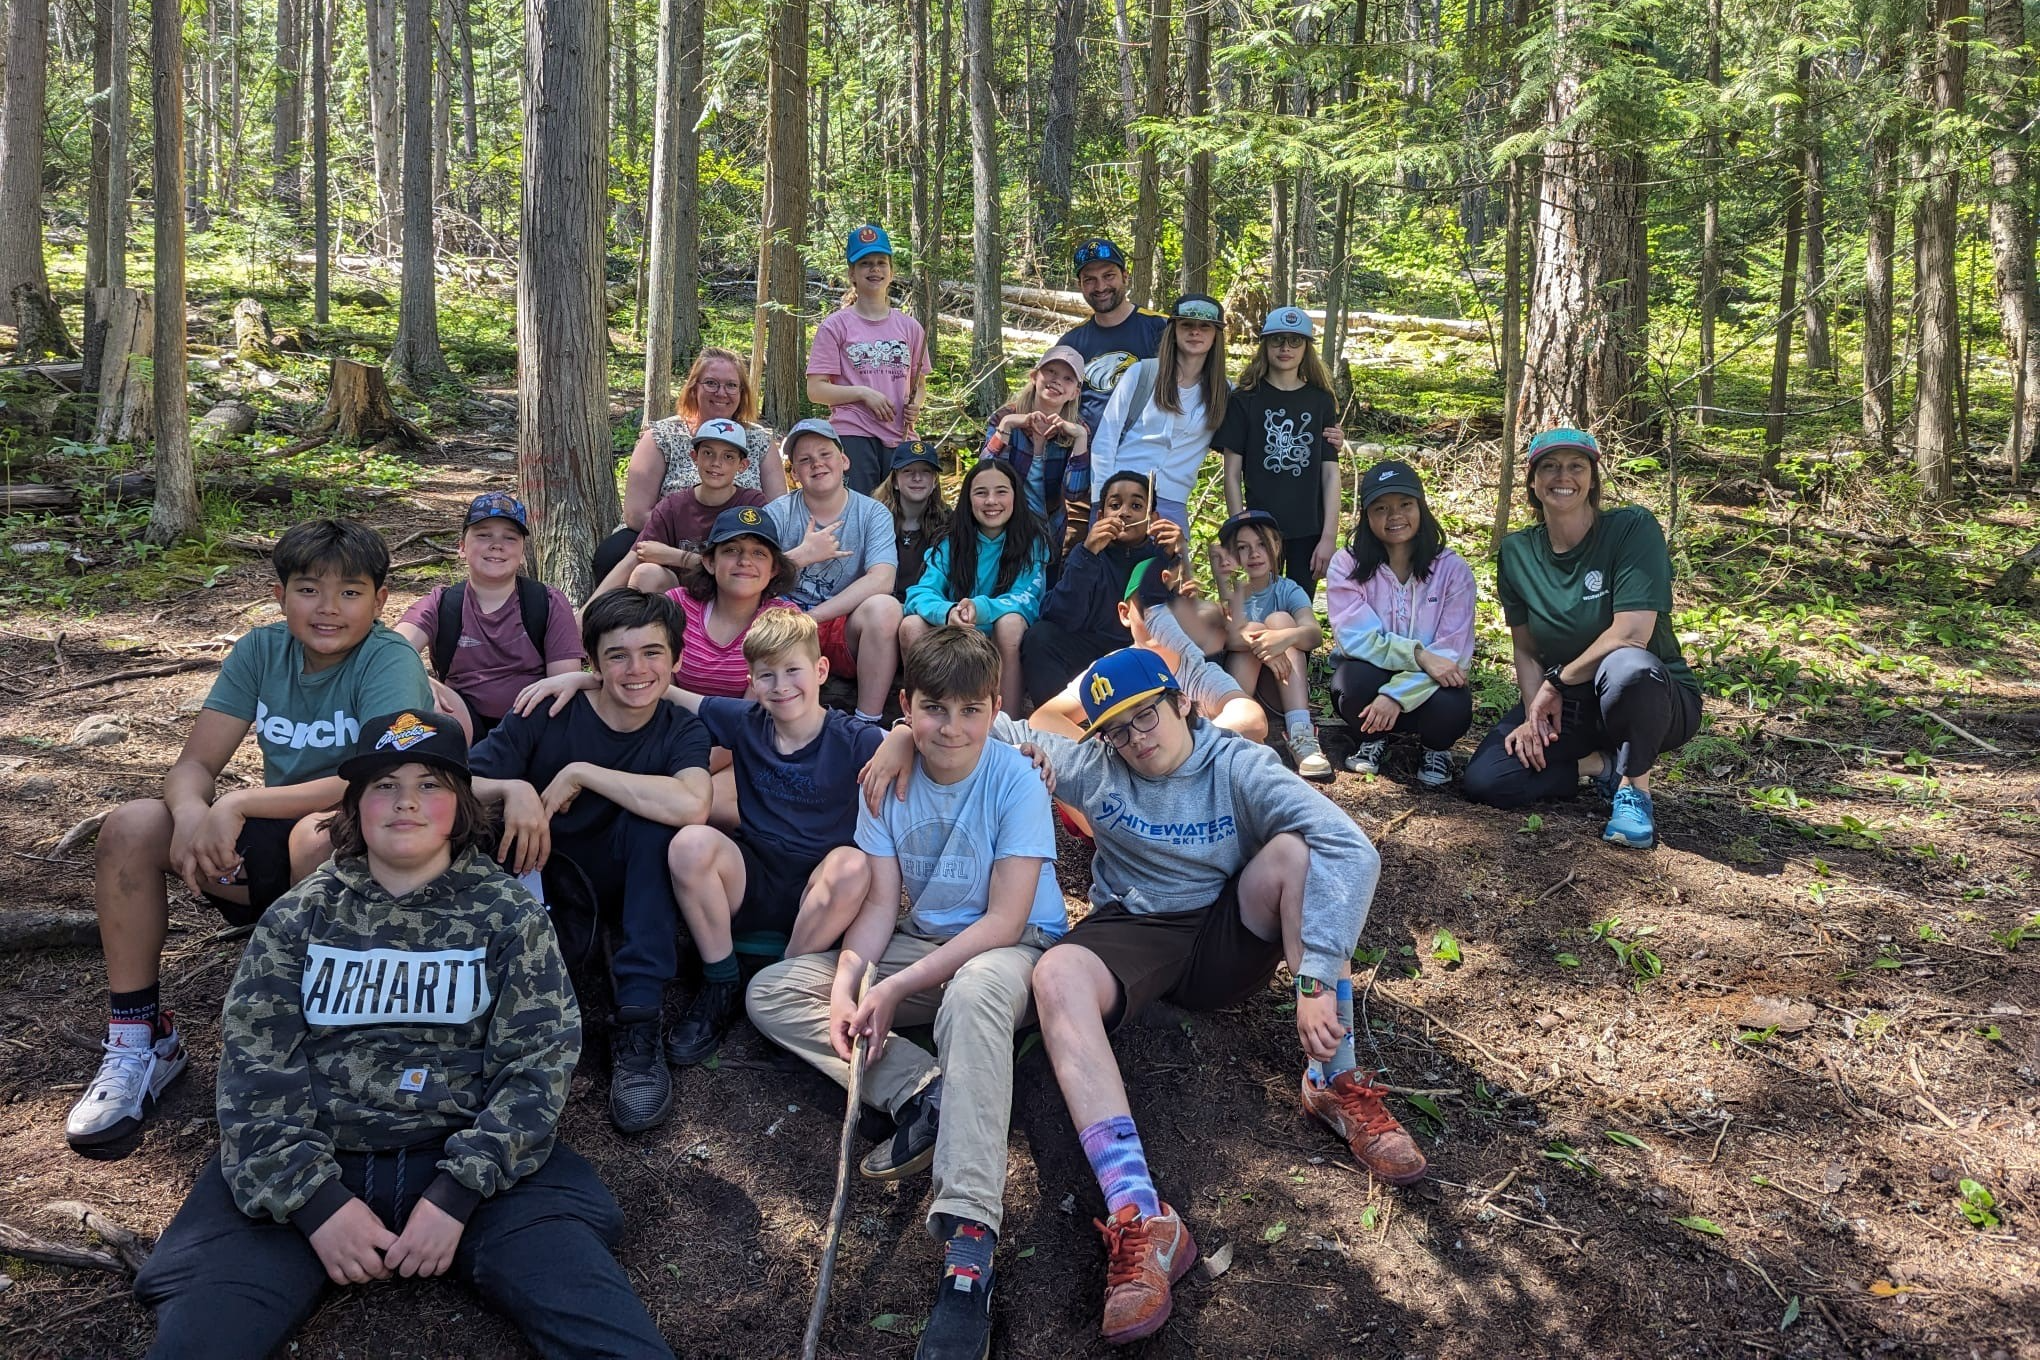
(494, 658)
(884, 355)
(681, 521)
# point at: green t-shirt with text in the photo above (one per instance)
(1568, 599)
(305, 725)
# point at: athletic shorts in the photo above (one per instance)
(836, 646)
(1203, 960)
(774, 882)
(264, 847)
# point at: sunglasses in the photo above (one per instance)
(1143, 721)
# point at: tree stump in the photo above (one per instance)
(125, 408)
(254, 342)
(39, 327)
(358, 409)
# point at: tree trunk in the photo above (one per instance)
(1197, 245)
(1710, 228)
(126, 399)
(175, 516)
(1147, 216)
(2011, 215)
(1512, 363)
(358, 409)
(415, 356)
(1058, 127)
(95, 187)
(1940, 350)
(780, 342)
(232, 164)
(385, 117)
(287, 112)
(938, 198)
(1280, 253)
(661, 275)
(1129, 109)
(1813, 259)
(1781, 344)
(921, 297)
(1584, 342)
(987, 338)
(1880, 233)
(687, 182)
(470, 135)
(22, 122)
(322, 206)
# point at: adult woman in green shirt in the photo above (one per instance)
(1587, 595)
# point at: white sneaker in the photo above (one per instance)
(1367, 758)
(129, 1079)
(1310, 757)
(1436, 770)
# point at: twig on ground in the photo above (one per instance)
(1962, 732)
(190, 663)
(1912, 1057)
(79, 834)
(1497, 1189)
(1395, 822)
(1570, 875)
(123, 1239)
(1726, 1119)
(811, 1344)
(43, 1252)
(1478, 1046)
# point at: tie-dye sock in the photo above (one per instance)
(1120, 1164)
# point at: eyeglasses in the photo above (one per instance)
(1143, 720)
(707, 386)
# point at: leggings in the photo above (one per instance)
(1439, 721)
(1632, 708)
(225, 1286)
(609, 552)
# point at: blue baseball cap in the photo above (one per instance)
(869, 239)
(497, 505)
(1121, 681)
(1243, 519)
(812, 425)
(1564, 437)
(1098, 250)
(914, 451)
(739, 521)
(1288, 321)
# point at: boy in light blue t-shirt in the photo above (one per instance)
(973, 846)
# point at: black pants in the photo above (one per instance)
(224, 1285)
(626, 864)
(1438, 722)
(610, 551)
(867, 463)
(1296, 555)
(1633, 709)
(1051, 657)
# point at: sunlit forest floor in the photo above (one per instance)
(1771, 1089)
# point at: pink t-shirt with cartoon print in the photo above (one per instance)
(885, 355)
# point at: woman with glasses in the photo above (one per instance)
(718, 387)
(1165, 410)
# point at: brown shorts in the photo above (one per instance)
(1203, 960)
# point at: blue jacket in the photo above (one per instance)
(931, 597)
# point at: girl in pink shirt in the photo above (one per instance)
(869, 363)
(742, 574)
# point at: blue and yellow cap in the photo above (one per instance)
(739, 521)
(1121, 681)
(913, 451)
(869, 239)
(1097, 250)
(497, 505)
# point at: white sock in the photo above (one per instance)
(862, 716)
(1297, 719)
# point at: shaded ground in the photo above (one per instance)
(1828, 1157)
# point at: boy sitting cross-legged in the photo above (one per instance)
(973, 846)
(302, 686)
(607, 779)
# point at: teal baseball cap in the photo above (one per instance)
(1564, 437)
(869, 239)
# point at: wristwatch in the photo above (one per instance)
(1551, 673)
(1306, 985)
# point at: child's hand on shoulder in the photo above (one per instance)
(351, 1244)
(890, 767)
(1042, 765)
(555, 690)
(426, 1246)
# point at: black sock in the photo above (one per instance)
(140, 1007)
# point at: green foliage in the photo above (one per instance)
(1976, 1204)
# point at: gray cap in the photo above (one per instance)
(812, 425)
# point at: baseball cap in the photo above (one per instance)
(812, 425)
(1121, 681)
(1288, 321)
(1062, 354)
(1243, 519)
(724, 431)
(1145, 585)
(497, 505)
(739, 521)
(1393, 477)
(1564, 437)
(1198, 307)
(869, 239)
(914, 451)
(1097, 250)
(412, 736)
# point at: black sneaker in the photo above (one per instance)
(704, 1023)
(960, 1325)
(912, 1146)
(640, 1087)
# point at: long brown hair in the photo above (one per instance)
(934, 515)
(1216, 388)
(1312, 370)
(474, 822)
(688, 406)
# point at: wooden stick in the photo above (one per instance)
(129, 1247)
(43, 1252)
(190, 663)
(1962, 732)
(810, 1346)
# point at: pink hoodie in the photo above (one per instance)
(1383, 621)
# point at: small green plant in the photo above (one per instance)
(1977, 1204)
(1565, 1154)
(1628, 1140)
(2010, 940)
(1757, 1036)
(1568, 960)
(1701, 1225)
(1643, 964)
(1532, 824)
(1444, 947)
(1990, 1034)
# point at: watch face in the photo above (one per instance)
(1309, 986)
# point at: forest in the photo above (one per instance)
(1769, 1089)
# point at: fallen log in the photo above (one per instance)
(223, 421)
(25, 930)
(254, 339)
(1019, 339)
(132, 486)
(69, 376)
(189, 663)
(2017, 578)
(1890, 541)
(28, 1246)
(1457, 327)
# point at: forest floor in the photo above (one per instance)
(1771, 1089)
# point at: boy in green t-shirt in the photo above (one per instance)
(303, 686)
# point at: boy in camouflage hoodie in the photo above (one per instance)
(397, 1043)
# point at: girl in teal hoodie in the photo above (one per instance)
(990, 573)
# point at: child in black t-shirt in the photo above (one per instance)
(1281, 443)
(913, 492)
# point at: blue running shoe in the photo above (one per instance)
(1630, 822)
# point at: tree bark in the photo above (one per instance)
(385, 117)
(358, 409)
(661, 275)
(780, 342)
(126, 401)
(1147, 217)
(687, 182)
(1940, 349)
(175, 516)
(1197, 244)
(1512, 363)
(415, 357)
(469, 123)
(938, 198)
(2011, 213)
(22, 122)
(921, 297)
(1058, 127)
(1710, 228)
(1813, 317)
(287, 113)
(1781, 345)
(322, 206)
(987, 341)
(1129, 107)
(1880, 232)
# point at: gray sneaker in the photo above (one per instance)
(1436, 770)
(129, 1080)
(1310, 757)
(1367, 758)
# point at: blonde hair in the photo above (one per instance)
(688, 405)
(1312, 370)
(776, 632)
(1029, 399)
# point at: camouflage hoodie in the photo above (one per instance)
(358, 1022)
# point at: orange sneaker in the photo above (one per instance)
(1351, 1104)
(1143, 1258)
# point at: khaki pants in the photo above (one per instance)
(974, 1016)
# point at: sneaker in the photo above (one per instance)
(1608, 780)
(640, 1086)
(912, 1145)
(130, 1078)
(1351, 1104)
(704, 1024)
(960, 1325)
(1630, 821)
(1366, 758)
(1310, 757)
(1143, 1258)
(1436, 770)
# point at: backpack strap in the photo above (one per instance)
(1143, 391)
(534, 606)
(446, 628)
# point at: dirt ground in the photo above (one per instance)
(1819, 1164)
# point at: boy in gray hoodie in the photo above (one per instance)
(1214, 863)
